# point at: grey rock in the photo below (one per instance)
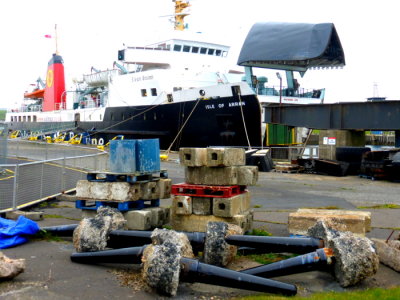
(161, 260)
(216, 250)
(355, 258)
(389, 253)
(9, 268)
(92, 233)
(118, 221)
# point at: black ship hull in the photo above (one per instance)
(229, 121)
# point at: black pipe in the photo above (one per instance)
(131, 255)
(276, 244)
(260, 244)
(61, 230)
(313, 261)
(195, 271)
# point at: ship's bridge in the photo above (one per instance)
(174, 52)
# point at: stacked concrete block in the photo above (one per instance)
(131, 185)
(357, 222)
(215, 189)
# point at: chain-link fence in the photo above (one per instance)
(37, 171)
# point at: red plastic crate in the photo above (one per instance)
(216, 191)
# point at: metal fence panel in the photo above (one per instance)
(59, 168)
(7, 187)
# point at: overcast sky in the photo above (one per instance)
(91, 32)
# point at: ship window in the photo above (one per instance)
(100, 117)
(195, 49)
(186, 48)
(155, 116)
(29, 118)
(224, 54)
(122, 116)
(144, 92)
(218, 52)
(19, 119)
(177, 47)
(203, 50)
(112, 116)
(177, 89)
(211, 51)
(154, 92)
(34, 118)
(12, 119)
(24, 118)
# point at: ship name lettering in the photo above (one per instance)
(232, 104)
(210, 106)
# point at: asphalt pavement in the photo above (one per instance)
(50, 274)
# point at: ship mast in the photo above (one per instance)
(180, 13)
(56, 38)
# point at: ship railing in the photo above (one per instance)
(56, 169)
(149, 48)
(60, 106)
(26, 108)
(288, 92)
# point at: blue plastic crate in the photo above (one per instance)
(148, 156)
(122, 156)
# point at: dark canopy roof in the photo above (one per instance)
(292, 46)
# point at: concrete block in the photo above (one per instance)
(365, 214)
(193, 157)
(149, 190)
(159, 216)
(225, 157)
(122, 156)
(389, 253)
(138, 219)
(247, 175)
(198, 223)
(148, 155)
(164, 186)
(100, 190)
(83, 189)
(243, 220)
(31, 215)
(300, 222)
(202, 205)
(124, 191)
(228, 207)
(211, 176)
(182, 205)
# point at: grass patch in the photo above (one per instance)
(43, 235)
(371, 294)
(259, 232)
(257, 206)
(59, 217)
(3, 115)
(269, 258)
(381, 206)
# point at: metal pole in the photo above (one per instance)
(15, 187)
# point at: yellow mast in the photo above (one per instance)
(180, 15)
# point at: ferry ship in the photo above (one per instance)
(179, 90)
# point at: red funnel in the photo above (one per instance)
(54, 93)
